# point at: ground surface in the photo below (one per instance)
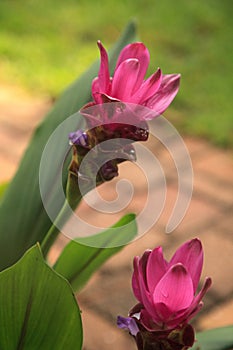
(209, 217)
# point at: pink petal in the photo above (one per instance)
(175, 289)
(156, 268)
(141, 53)
(124, 79)
(162, 311)
(143, 265)
(104, 76)
(184, 316)
(135, 279)
(197, 304)
(151, 323)
(96, 90)
(202, 292)
(139, 284)
(190, 254)
(164, 96)
(148, 87)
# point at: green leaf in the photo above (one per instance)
(38, 308)
(3, 188)
(23, 219)
(78, 261)
(215, 339)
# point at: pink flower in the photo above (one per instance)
(166, 290)
(128, 84)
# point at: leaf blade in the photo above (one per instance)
(79, 261)
(44, 313)
(215, 339)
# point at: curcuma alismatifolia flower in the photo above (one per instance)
(120, 109)
(128, 83)
(166, 292)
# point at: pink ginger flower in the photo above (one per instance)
(128, 84)
(166, 290)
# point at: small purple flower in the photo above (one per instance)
(128, 323)
(78, 138)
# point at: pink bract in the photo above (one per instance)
(128, 83)
(166, 290)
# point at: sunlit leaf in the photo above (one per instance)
(3, 188)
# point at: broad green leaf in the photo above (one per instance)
(78, 261)
(38, 308)
(23, 219)
(215, 339)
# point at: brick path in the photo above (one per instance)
(209, 217)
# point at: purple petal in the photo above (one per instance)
(128, 323)
(140, 52)
(164, 96)
(190, 254)
(175, 289)
(79, 138)
(124, 79)
(156, 268)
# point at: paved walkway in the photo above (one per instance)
(209, 217)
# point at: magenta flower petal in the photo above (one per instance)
(143, 264)
(140, 52)
(104, 76)
(150, 322)
(175, 289)
(135, 279)
(125, 79)
(168, 90)
(95, 88)
(156, 268)
(148, 88)
(190, 254)
(128, 85)
(202, 292)
(139, 279)
(197, 304)
(166, 291)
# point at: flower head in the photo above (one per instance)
(166, 290)
(128, 83)
(120, 109)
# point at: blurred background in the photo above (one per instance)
(46, 44)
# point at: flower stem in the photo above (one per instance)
(55, 228)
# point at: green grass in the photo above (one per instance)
(45, 44)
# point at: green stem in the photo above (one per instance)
(73, 198)
(54, 230)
